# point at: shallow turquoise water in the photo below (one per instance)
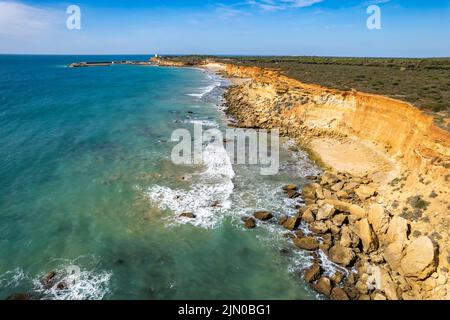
(85, 166)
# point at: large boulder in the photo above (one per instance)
(325, 212)
(312, 273)
(357, 211)
(397, 231)
(348, 237)
(307, 243)
(339, 294)
(308, 216)
(378, 218)
(319, 227)
(263, 215)
(341, 255)
(393, 254)
(419, 260)
(367, 235)
(292, 223)
(323, 286)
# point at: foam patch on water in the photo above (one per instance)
(82, 285)
(208, 199)
(206, 123)
(12, 278)
(205, 90)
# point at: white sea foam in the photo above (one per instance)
(208, 199)
(206, 123)
(207, 89)
(84, 285)
(12, 278)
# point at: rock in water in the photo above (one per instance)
(341, 255)
(189, 215)
(263, 215)
(312, 273)
(419, 260)
(249, 222)
(307, 243)
(292, 223)
(323, 286)
(290, 187)
(19, 296)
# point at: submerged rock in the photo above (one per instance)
(249, 222)
(189, 215)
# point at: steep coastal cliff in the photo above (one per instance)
(394, 172)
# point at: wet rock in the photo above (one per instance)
(290, 187)
(364, 192)
(367, 235)
(61, 286)
(49, 279)
(249, 222)
(189, 215)
(292, 194)
(341, 255)
(263, 215)
(307, 243)
(292, 223)
(19, 296)
(337, 277)
(283, 218)
(312, 273)
(323, 286)
(419, 260)
(339, 294)
(325, 212)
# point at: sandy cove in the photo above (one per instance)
(381, 208)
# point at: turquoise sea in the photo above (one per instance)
(88, 189)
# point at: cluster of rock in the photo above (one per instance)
(383, 259)
(356, 232)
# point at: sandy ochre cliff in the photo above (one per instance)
(382, 207)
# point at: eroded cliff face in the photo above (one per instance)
(397, 128)
(393, 142)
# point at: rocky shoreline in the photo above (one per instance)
(384, 261)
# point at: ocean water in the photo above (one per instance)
(88, 189)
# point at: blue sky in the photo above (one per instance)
(410, 28)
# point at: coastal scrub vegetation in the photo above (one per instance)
(423, 82)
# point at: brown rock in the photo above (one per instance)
(249, 222)
(357, 211)
(307, 243)
(308, 216)
(318, 227)
(189, 215)
(290, 187)
(419, 260)
(393, 254)
(339, 294)
(19, 296)
(323, 286)
(337, 187)
(319, 193)
(312, 273)
(342, 194)
(339, 219)
(397, 231)
(348, 237)
(341, 255)
(292, 223)
(367, 236)
(325, 212)
(378, 219)
(283, 218)
(337, 277)
(329, 178)
(263, 215)
(364, 192)
(292, 194)
(378, 296)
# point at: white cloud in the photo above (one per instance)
(239, 8)
(20, 20)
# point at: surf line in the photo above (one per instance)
(198, 311)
